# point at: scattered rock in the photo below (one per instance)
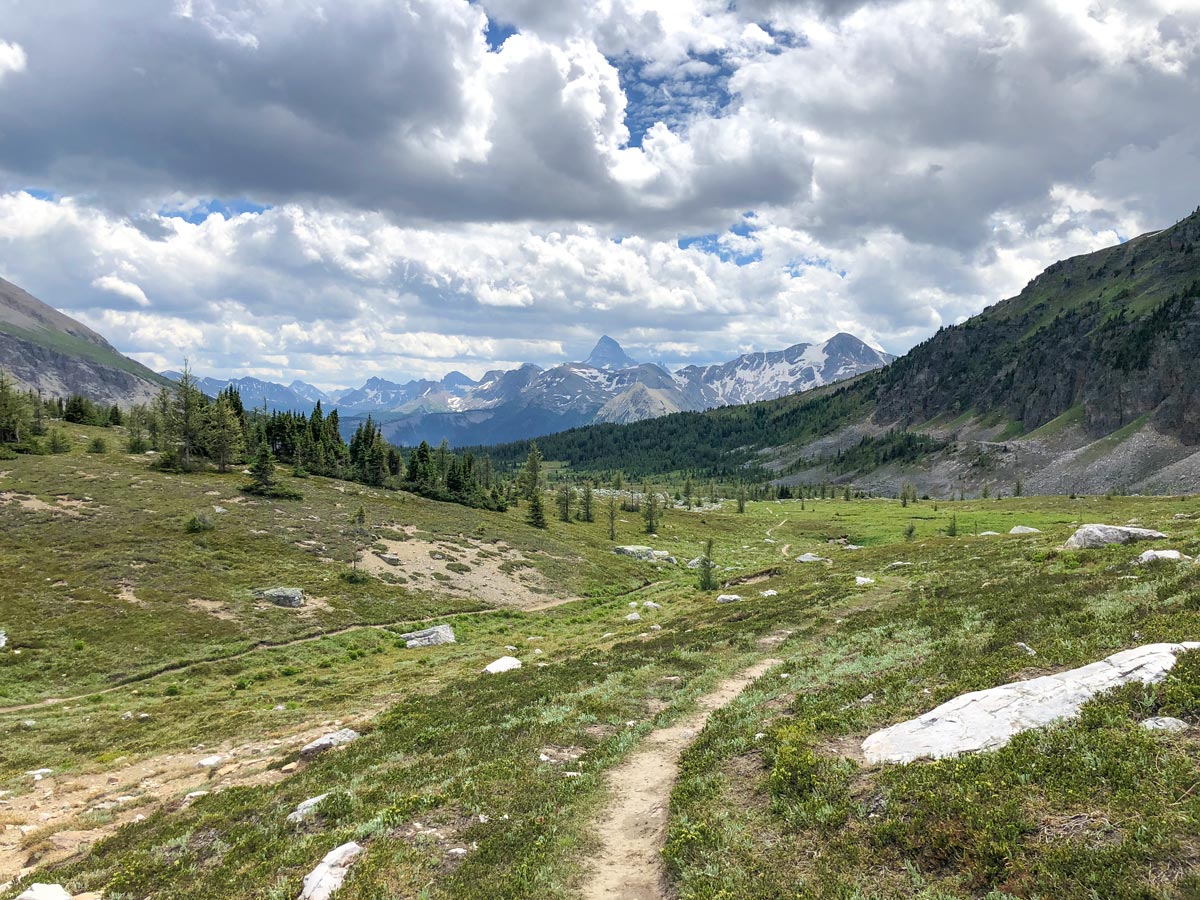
(633, 617)
(390, 559)
(656, 628)
(44, 892)
(1021, 645)
(729, 598)
(636, 551)
(3, 638)
(428, 637)
(329, 741)
(1024, 529)
(503, 664)
(862, 581)
(39, 774)
(1156, 555)
(305, 810)
(1164, 723)
(210, 762)
(650, 604)
(282, 596)
(323, 881)
(1090, 537)
(985, 720)
(896, 565)
(811, 558)
(989, 534)
(696, 563)
(853, 547)
(770, 593)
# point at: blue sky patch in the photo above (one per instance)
(672, 99)
(225, 208)
(712, 244)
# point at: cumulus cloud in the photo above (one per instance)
(394, 190)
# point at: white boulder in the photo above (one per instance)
(696, 563)
(327, 877)
(1164, 723)
(1024, 529)
(811, 558)
(863, 582)
(729, 598)
(989, 534)
(305, 810)
(1156, 555)
(650, 604)
(636, 551)
(503, 664)
(770, 593)
(1091, 537)
(210, 762)
(633, 617)
(329, 741)
(986, 720)
(44, 892)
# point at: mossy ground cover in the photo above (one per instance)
(1094, 808)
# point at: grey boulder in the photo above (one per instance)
(282, 596)
(328, 741)
(323, 881)
(1091, 537)
(428, 637)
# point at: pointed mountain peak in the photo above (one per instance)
(607, 354)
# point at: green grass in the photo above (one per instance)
(1094, 808)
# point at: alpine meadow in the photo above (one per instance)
(693, 450)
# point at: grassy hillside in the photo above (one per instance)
(448, 789)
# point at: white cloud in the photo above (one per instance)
(12, 58)
(122, 288)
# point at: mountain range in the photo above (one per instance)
(1084, 381)
(608, 386)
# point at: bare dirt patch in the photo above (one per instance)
(127, 595)
(633, 825)
(62, 815)
(36, 504)
(497, 574)
(215, 608)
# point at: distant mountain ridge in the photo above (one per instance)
(608, 386)
(48, 351)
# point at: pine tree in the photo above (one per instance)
(585, 503)
(536, 515)
(741, 498)
(15, 416)
(531, 475)
(262, 470)
(611, 513)
(224, 438)
(187, 416)
(563, 499)
(650, 513)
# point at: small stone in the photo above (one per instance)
(323, 881)
(650, 604)
(44, 892)
(428, 637)
(861, 581)
(729, 598)
(656, 628)
(633, 617)
(770, 593)
(282, 596)
(210, 762)
(289, 767)
(1021, 645)
(305, 810)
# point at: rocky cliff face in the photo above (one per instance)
(50, 352)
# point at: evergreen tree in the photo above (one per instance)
(650, 513)
(262, 470)
(585, 503)
(15, 414)
(611, 514)
(187, 416)
(741, 498)
(536, 515)
(531, 476)
(563, 501)
(224, 438)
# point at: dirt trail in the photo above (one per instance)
(782, 522)
(785, 548)
(633, 825)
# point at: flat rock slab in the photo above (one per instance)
(327, 877)
(329, 741)
(1091, 537)
(503, 664)
(729, 598)
(636, 551)
(1164, 555)
(812, 558)
(1164, 723)
(429, 637)
(1024, 529)
(986, 720)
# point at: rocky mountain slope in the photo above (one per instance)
(47, 351)
(1085, 381)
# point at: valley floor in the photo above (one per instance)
(702, 750)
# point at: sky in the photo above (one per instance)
(334, 191)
